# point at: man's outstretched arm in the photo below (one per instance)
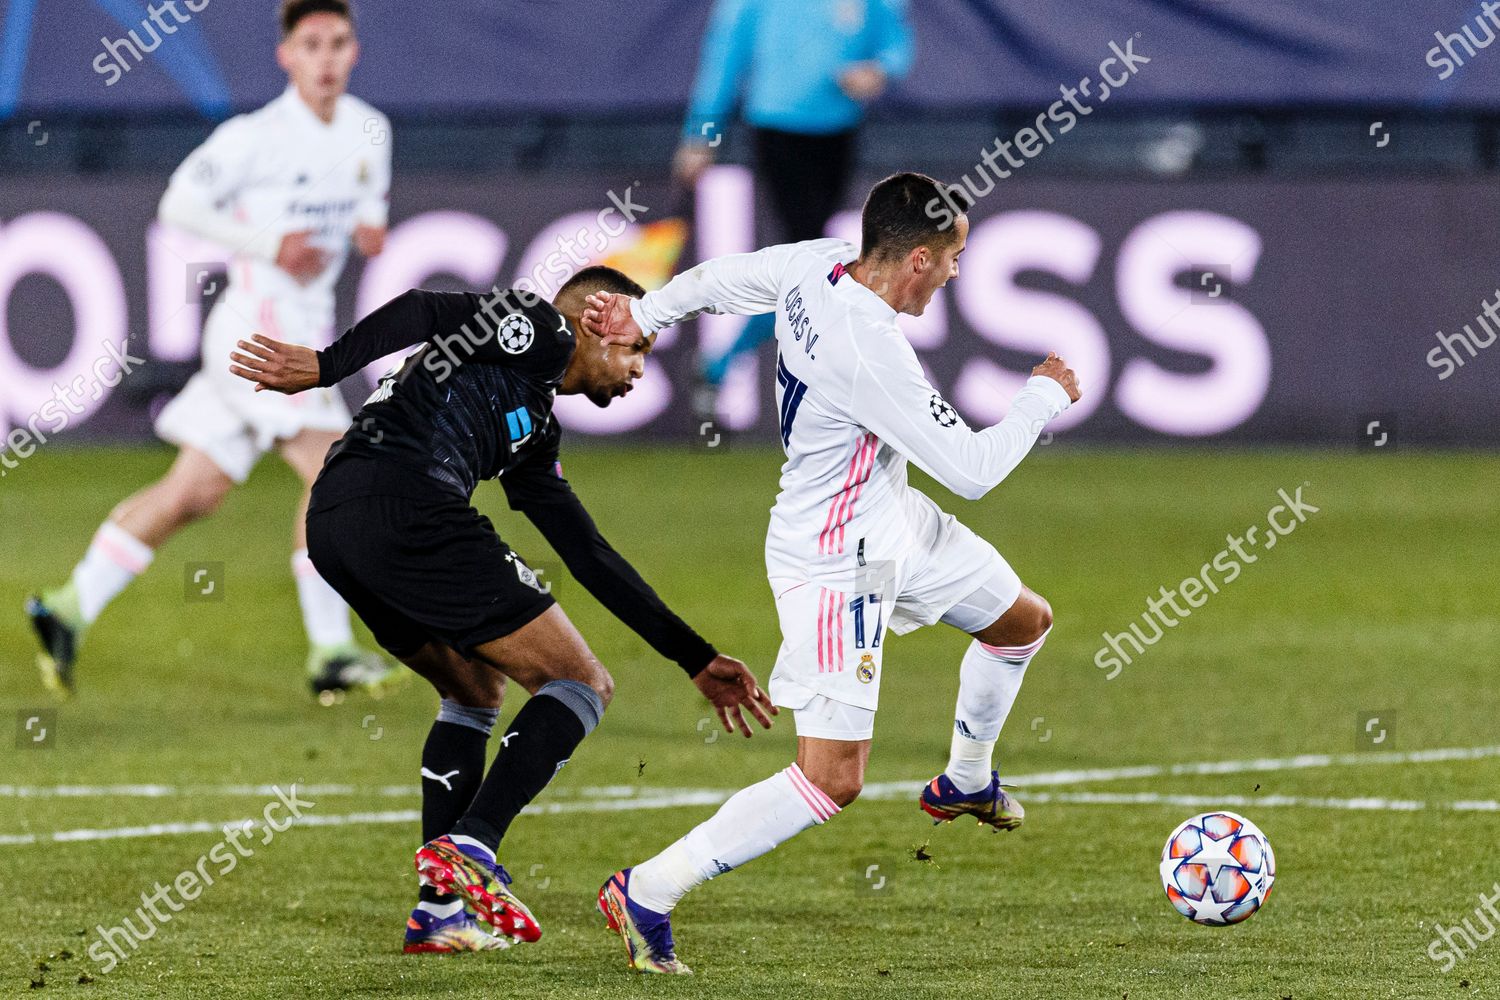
(894, 400)
(549, 503)
(411, 318)
(741, 284)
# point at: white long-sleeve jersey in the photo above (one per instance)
(280, 170)
(854, 406)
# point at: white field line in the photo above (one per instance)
(203, 826)
(626, 798)
(708, 797)
(1265, 801)
(1041, 779)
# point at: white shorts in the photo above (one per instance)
(223, 416)
(833, 642)
(825, 719)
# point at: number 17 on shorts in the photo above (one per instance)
(832, 639)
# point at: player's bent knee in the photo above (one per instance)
(1043, 616)
(840, 784)
(483, 687)
(842, 790)
(586, 670)
(471, 695)
(1025, 622)
(590, 671)
(603, 684)
(193, 502)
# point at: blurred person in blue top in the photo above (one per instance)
(803, 72)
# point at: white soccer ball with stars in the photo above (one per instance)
(1217, 869)
(942, 411)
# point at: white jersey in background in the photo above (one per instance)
(847, 532)
(261, 176)
(282, 170)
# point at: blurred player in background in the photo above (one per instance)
(808, 68)
(286, 189)
(853, 550)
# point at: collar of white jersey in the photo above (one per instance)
(863, 293)
(298, 108)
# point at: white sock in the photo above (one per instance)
(753, 821)
(442, 909)
(988, 683)
(324, 613)
(115, 557)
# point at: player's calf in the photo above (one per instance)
(637, 902)
(546, 656)
(570, 689)
(835, 768)
(755, 820)
(989, 682)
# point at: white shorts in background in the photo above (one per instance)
(222, 415)
(833, 643)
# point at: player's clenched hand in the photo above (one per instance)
(1058, 371)
(607, 315)
(369, 240)
(690, 160)
(270, 364)
(862, 81)
(299, 258)
(731, 686)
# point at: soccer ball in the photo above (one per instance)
(1217, 868)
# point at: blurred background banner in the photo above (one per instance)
(481, 57)
(1259, 233)
(1231, 309)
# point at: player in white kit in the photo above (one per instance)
(853, 551)
(286, 190)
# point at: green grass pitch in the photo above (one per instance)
(1384, 603)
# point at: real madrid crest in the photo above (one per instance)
(866, 669)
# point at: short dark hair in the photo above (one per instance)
(899, 216)
(599, 278)
(293, 11)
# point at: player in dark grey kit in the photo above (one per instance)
(391, 527)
